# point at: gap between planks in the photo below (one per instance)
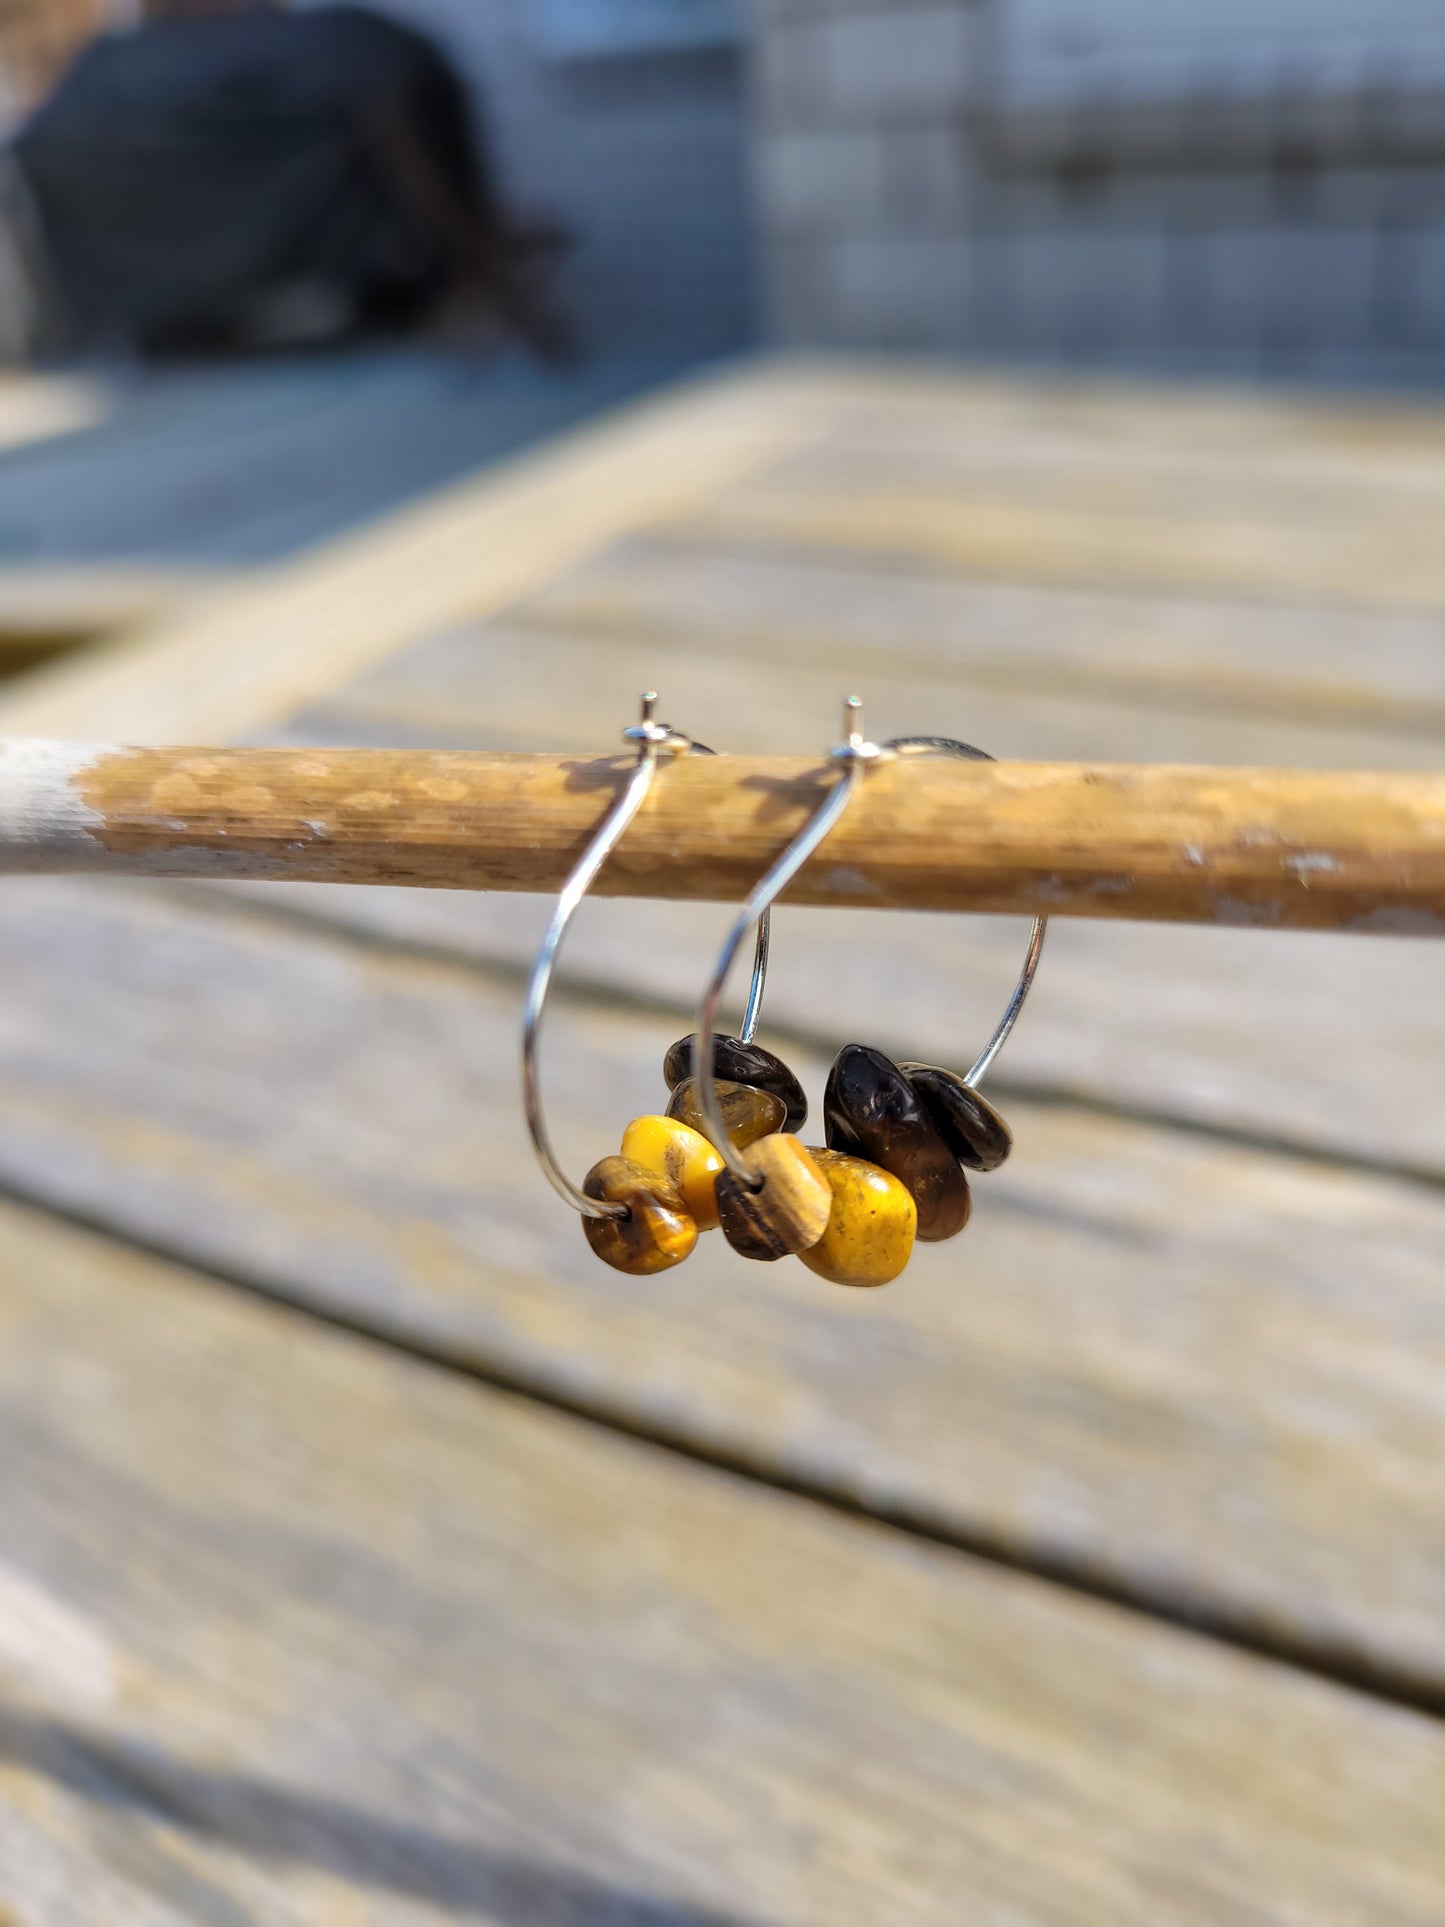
(540, 1669)
(1231, 657)
(1235, 1623)
(1340, 1666)
(588, 989)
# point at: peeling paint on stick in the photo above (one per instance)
(45, 821)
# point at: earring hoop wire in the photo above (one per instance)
(949, 746)
(654, 740)
(856, 755)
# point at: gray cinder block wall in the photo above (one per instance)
(865, 176)
(911, 195)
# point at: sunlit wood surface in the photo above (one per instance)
(370, 1553)
(1135, 842)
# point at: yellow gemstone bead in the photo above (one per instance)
(871, 1226)
(681, 1155)
(748, 1113)
(657, 1231)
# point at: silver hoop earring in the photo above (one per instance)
(635, 1218)
(900, 1137)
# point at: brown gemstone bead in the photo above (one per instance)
(870, 1231)
(681, 1155)
(656, 1233)
(873, 1112)
(968, 1124)
(786, 1209)
(748, 1114)
(840, 1138)
(742, 1063)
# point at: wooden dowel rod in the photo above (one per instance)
(1283, 849)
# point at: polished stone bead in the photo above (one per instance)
(785, 1208)
(681, 1155)
(870, 1231)
(657, 1231)
(748, 1114)
(968, 1124)
(742, 1063)
(873, 1112)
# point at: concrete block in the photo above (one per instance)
(930, 182)
(786, 75)
(1424, 248)
(898, 61)
(903, 292)
(821, 182)
(1077, 281)
(765, 11)
(800, 292)
(1318, 288)
(1235, 292)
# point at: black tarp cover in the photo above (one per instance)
(185, 168)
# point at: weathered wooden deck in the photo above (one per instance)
(371, 1554)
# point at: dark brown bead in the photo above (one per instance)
(873, 1112)
(742, 1063)
(841, 1139)
(969, 1125)
(784, 1210)
(747, 1113)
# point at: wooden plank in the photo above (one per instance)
(988, 530)
(296, 1630)
(250, 655)
(1044, 483)
(1216, 420)
(236, 465)
(1142, 453)
(1088, 435)
(886, 398)
(257, 651)
(45, 610)
(1202, 1378)
(1286, 849)
(1325, 1044)
(1346, 668)
(513, 684)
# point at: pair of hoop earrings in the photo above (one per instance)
(901, 1137)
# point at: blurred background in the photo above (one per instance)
(1253, 185)
(257, 239)
(267, 236)
(1061, 375)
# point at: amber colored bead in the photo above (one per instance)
(683, 1156)
(747, 1113)
(784, 1210)
(657, 1231)
(873, 1112)
(968, 1124)
(870, 1231)
(742, 1063)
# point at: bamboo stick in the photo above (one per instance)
(1286, 849)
